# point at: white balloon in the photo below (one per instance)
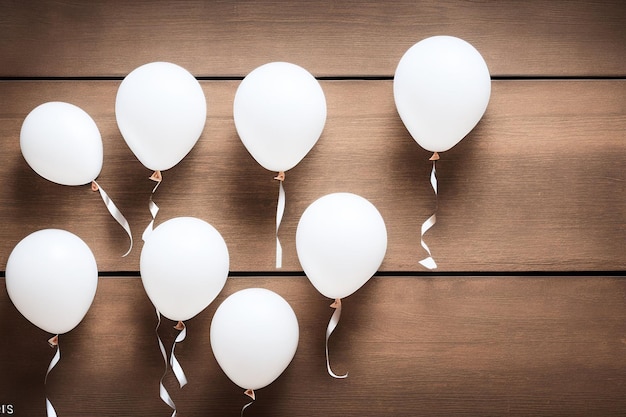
(279, 112)
(441, 89)
(161, 111)
(341, 241)
(62, 143)
(51, 278)
(184, 266)
(254, 337)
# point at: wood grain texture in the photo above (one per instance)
(537, 186)
(445, 346)
(43, 38)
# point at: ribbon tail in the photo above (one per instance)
(176, 367)
(50, 412)
(429, 262)
(246, 406)
(165, 396)
(280, 211)
(115, 212)
(154, 209)
(332, 324)
(54, 342)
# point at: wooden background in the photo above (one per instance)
(526, 314)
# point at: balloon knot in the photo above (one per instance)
(156, 176)
(250, 393)
(179, 326)
(435, 157)
(336, 303)
(94, 186)
(54, 341)
(280, 176)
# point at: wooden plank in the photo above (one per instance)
(445, 346)
(349, 38)
(535, 187)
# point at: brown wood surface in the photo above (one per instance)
(45, 38)
(537, 186)
(444, 346)
(526, 314)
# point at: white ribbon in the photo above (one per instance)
(115, 212)
(332, 324)
(165, 396)
(178, 370)
(429, 262)
(50, 409)
(154, 209)
(280, 211)
(54, 342)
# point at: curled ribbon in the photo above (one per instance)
(429, 262)
(165, 396)
(154, 209)
(50, 409)
(54, 343)
(249, 393)
(332, 324)
(178, 370)
(280, 210)
(115, 212)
